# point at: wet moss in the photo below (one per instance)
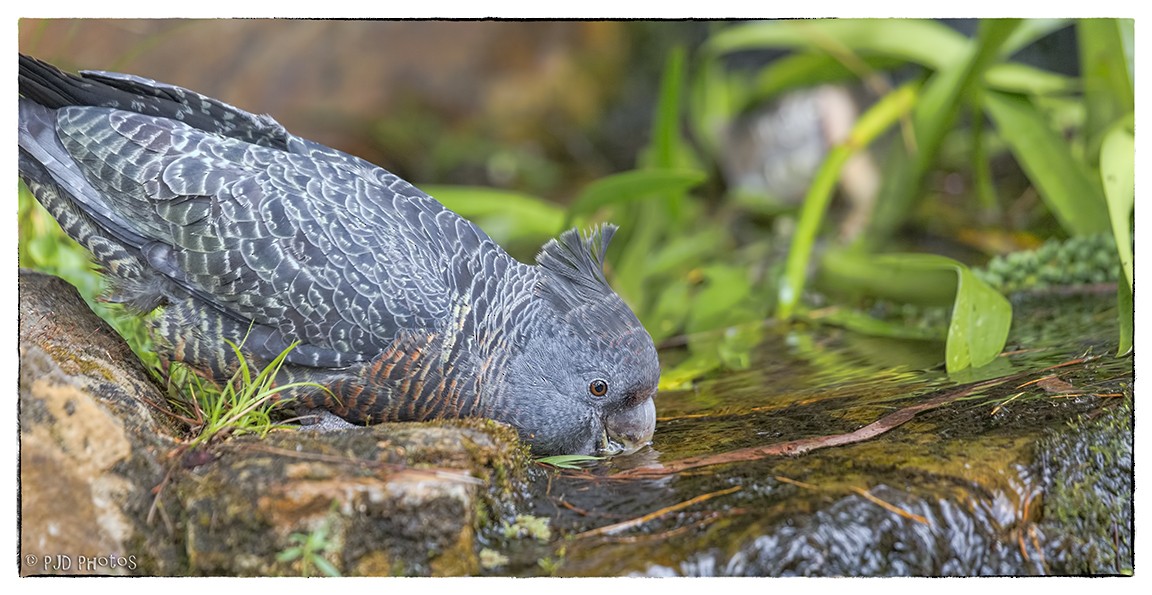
(1088, 505)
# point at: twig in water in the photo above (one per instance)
(805, 445)
(618, 527)
(797, 483)
(888, 506)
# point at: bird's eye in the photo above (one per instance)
(598, 387)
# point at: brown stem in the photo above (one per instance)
(805, 445)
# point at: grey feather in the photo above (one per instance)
(240, 232)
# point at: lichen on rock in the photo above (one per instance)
(105, 475)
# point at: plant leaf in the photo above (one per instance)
(876, 120)
(630, 186)
(722, 300)
(981, 317)
(503, 214)
(1030, 31)
(808, 69)
(921, 41)
(1061, 179)
(568, 461)
(326, 567)
(290, 554)
(1118, 175)
(980, 322)
(667, 149)
(941, 99)
(1106, 68)
(1019, 78)
(1124, 315)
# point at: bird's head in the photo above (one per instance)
(585, 379)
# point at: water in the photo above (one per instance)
(975, 487)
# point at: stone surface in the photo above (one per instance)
(91, 445)
(96, 444)
(393, 499)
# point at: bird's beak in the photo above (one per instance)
(628, 430)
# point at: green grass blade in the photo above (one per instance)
(569, 461)
(667, 148)
(1118, 174)
(896, 277)
(875, 121)
(501, 213)
(1124, 315)
(631, 186)
(290, 555)
(717, 97)
(941, 101)
(920, 41)
(1029, 32)
(802, 70)
(325, 566)
(941, 98)
(1062, 180)
(651, 220)
(1106, 63)
(1019, 78)
(721, 298)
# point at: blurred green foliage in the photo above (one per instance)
(45, 247)
(963, 80)
(704, 272)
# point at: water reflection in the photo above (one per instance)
(955, 491)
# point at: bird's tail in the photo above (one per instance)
(58, 183)
(51, 87)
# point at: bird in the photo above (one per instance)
(226, 229)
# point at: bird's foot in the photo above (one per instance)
(322, 420)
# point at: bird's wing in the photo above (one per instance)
(320, 247)
(53, 88)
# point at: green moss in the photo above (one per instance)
(526, 525)
(1088, 504)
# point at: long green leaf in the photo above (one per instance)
(875, 121)
(717, 98)
(924, 42)
(1124, 316)
(1030, 31)
(651, 220)
(808, 69)
(667, 148)
(569, 461)
(1019, 78)
(631, 186)
(890, 277)
(720, 301)
(1118, 174)
(1062, 180)
(1106, 68)
(670, 311)
(501, 213)
(938, 109)
(941, 98)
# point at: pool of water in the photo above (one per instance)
(969, 487)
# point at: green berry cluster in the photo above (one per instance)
(1082, 260)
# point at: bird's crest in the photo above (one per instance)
(574, 268)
